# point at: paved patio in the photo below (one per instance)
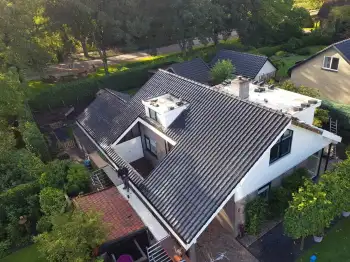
(216, 241)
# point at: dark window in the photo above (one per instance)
(151, 146)
(264, 191)
(153, 114)
(282, 147)
(330, 62)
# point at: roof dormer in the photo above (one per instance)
(164, 109)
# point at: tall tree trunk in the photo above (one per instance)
(216, 38)
(83, 45)
(103, 56)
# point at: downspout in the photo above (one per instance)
(328, 155)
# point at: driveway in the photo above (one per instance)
(216, 242)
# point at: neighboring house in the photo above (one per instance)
(255, 67)
(197, 153)
(195, 69)
(328, 71)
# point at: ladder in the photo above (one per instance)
(333, 127)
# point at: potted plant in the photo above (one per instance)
(308, 213)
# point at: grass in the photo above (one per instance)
(27, 254)
(334, 247)
(284, 63)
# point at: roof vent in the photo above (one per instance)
(297, 108)
(261, 83)
(171, 108)
(265, 100)
(271, 87)
(259, 89)
(179, 103)
(255, 82)
(312, 101)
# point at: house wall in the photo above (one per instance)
(268, 68)
(304, 144)
(161, 145)
(130, 150)
(307, 115)
(332, 85)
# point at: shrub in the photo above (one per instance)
(303, 51)
(293, 44)
(256, 214)
(278, 202)
(340, 112)
(294, 181)
(4, 248)
(52, 201)
(281, 53)
(303, 90)
(78, 179)
(317, 37)
(268, 50)
(35, 141)
(55, 174)
(321, 117)
(221, 71)
(44, 224)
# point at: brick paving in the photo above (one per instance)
(215, 241)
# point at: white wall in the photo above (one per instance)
(304, 144)
(130, 150)
(167, 118)
(266, 69)
(307, 115)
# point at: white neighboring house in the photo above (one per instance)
(197, 153)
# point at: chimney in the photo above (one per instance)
(242, 84)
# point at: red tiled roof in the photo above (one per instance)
(116, 211)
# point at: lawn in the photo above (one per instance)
(28, 254)
(334, 247)
(287, 62)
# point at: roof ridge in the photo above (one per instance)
(225, 94)
(264, 56)
(339, 42)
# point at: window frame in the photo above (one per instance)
(280, 143)
(155, 114)
(148, 144)
(330, 64)
(264, 190)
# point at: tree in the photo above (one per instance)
(78, 179)
(52, 201)
(55, 174)
(309, 212)
(221, 71)
(339, 22)
(73, 237)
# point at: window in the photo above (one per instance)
(331, 63)
(282, 147)
(153, 114)
(151, 145)
(264, 191)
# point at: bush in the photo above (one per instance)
(4, 248)
(303, 90)
(35, 141)
(221, 71)
(281, 53)
(256, 214)
(294, 181)
(55, 174)
(303, 51)
(317, 37)
(44, 224)
(78, 179)
(52, 201)
(321, 117)
(278, 202)
(293, 44)
(268, 50)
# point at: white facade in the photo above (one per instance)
(304, 144)
(130, 150)
(267, 69)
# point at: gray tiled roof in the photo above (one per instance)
(246, 64)
(219, 138)
(344, 48)
(195, 69)
(98, 117)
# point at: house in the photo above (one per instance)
(256, 67)
(196, 153)
(327, 70)
(195, 69)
